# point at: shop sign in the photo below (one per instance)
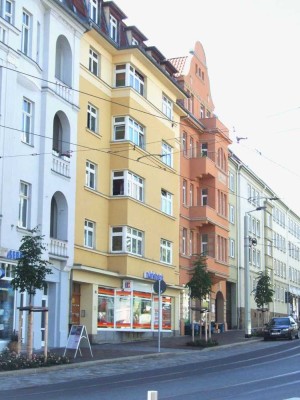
(13, 254)
(153, 275)
(127, 284)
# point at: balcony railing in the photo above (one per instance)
(202, 166)
(59, 248)
(63, 91)
(61, 163)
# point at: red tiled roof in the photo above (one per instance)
(179, 63)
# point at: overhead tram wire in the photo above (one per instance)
(162, 117)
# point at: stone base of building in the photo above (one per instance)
(123, 337)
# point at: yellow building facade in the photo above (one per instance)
(127, 196)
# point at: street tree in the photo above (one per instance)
(30, 274)
(263, 294)
(200, 283)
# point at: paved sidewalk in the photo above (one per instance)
(170, 344)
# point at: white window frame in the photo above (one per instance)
(166, 202)
(90, 175)
(26, 33)
(231, 214)
(165, 251)
(92, 118)
(24, 204)
(231, 182)
(204, 149)
(130, 130)
(27, 120)
(184, 192)
(134, 42)
(132, 240)
(184, 241)
(93, 62)
(231, 248)
(3, 35)
(133, 185)
(93, 10)
(167, 107)
(132, 78)
(113, 28)
(204, 197)
(167, 154)
(8, 14)
(204, 244)
(89, 234)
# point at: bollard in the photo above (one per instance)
(152, 395)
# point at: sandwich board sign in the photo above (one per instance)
(77, 333)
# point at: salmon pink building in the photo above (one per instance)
(204, 223)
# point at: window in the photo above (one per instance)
(92, 117)
(126, 183)
(93, 10)
(231, 181)
(113, 28)
(231, 214)
(165, 251)
(204, 244)
(127, 75)
(94, 62)
(134, 42)
(204, 197)
(202, 111)
(184, 240)
(167, 107)
(184, 144)
(24, 205)
(204, 149)
(89, 233)
(26, 22)
(126, 128)
(191, 244)
(8, 11)
(90, 175)
(232, 248)
(126, 239)
(184, 200)
(167, 154)
(166, 202)
(27, 121)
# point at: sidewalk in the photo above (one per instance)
(111, 351)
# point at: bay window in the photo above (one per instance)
(125, 183)
(127, 75)
(125, 239)
(126, 128)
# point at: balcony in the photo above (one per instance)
(61, 164)
(203, 215)
(202, 167)
(64, 91)
(58, 248)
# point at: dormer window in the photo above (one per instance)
(113, 28)
(93, 10)
(127, 75)
(134, 42)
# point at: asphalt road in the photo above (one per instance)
(260, 370)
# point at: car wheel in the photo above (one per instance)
(297, 335)
(291, 336)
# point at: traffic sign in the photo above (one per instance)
(160, 286)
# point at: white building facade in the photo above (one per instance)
(272, 242)
(39, 67)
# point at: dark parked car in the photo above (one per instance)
(281, 327)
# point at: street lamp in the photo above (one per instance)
(248, 243)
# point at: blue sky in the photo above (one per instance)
(253, 62)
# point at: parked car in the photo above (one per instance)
(281, 327)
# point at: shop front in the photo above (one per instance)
(117, 309)
(7, 304)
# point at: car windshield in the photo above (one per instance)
(280, 321)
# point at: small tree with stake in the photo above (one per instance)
(200, 283)
(30, 275)
(263, 294)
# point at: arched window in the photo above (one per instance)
(63, 61)
(61, 134)
(59, 217)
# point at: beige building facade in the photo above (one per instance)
(128, 163)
